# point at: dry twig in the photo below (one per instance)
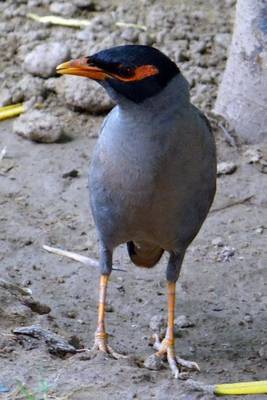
(92, 262)
(228, 137)
(56, 20)
(234, 203)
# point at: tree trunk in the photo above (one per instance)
(242, 97)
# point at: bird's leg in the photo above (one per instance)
(101, 337)
(166, 348)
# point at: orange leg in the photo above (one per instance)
(101, 337)
(167, 346)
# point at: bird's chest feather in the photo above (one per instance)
(131, 159)
(145, 174)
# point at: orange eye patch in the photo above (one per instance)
(142, 72)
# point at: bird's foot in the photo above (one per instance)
(166, 351)
(101, 344)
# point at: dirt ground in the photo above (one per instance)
(222, 288)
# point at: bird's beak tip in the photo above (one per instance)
(63, 68)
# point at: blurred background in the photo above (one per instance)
(45, 154)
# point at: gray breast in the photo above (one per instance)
(153, 172)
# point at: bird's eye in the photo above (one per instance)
(127, 71)
(124, 70)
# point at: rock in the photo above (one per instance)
(65, 9)
(153, 362)
(248, 318)
(226, 168)
(146, 39)
(71, 314)
(38, 126)
(158, 324)
(87, 35)
(259, 230)
(29, 87)
(183, 322)
(5, 97)
(87, 5)
(130, 35)
(51, 84)
(44, 58)
(226, 254)
(73, 173)
(218, 242)
(223, 39)
(109, 308)
(252, 155)
(199, 46)
(83, 94)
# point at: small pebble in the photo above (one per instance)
(226, 168)
(72, 314)
(109, 308)
(259, 230)
(218, 242)
(66, 9)
(183, 322)
(248, 318)
(154, 363)
(71, 174)
(252, 155)
(226, 254)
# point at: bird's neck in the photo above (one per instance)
(174, 96)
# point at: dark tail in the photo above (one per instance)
(144, 254)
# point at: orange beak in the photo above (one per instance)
(80, 67)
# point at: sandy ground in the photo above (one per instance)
(222, 288)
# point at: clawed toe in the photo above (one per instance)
(101, 344)
(176, 364)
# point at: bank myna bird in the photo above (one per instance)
(153, 173)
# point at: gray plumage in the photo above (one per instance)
(153, 177)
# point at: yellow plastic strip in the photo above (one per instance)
(54, 20)
(11, 111)
(259, 387)
(4, 108)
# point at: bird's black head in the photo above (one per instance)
(133, 71)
